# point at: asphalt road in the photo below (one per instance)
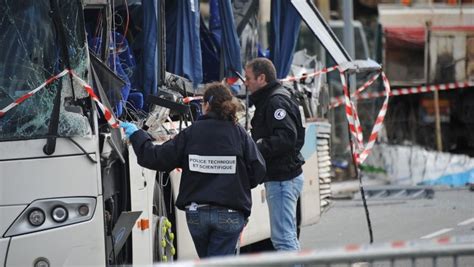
(449, 213)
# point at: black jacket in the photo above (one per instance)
(278, 131)
(219, 160)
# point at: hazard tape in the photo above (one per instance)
(32, 92)
(188, 99)
(233, 81)
(360, 150)
(107, 113)
(378, 122)
(337, 101)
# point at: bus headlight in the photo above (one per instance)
(59, 214)
(52, 213)
(36, 217)
(83, 210)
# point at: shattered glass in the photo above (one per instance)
(31, 52)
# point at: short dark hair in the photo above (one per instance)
(263, 65)
(221, 101)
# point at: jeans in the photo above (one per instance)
(215, 230)
(282, 198)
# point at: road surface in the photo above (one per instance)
(449, 212)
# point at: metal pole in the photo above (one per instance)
(348, 14)
(439, 142)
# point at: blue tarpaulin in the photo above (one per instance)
(183, 48)
(224, 32)
(148, 69)
(285, 27)
(210, 55)
(142, 72)
(215, 20)
(230, 45)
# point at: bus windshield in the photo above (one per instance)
(39, 41)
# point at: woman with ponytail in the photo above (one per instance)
(220, 163)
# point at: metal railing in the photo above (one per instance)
(444, 251)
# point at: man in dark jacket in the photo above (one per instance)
(279, 134)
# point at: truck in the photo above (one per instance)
(71, 191)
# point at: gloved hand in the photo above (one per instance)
(129, 128)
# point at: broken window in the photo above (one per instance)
(34, 47)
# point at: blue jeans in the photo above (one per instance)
(282, 198)
(215, 230)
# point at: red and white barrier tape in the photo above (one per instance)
(32, 92)
(233, 81)
(188, 99)
(361, 151)
(378, 122)
(107, 113)
(337, 101)
(366, 85)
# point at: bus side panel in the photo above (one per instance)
(186, 249)
(258, 227)
(310, 199)
(142, 182)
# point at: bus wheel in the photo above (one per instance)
(163, 248)
(163, 236)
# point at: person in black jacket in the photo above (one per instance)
(220, 164)
(278, 131)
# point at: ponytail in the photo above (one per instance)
(221, 101)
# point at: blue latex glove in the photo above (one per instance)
(129, 128)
